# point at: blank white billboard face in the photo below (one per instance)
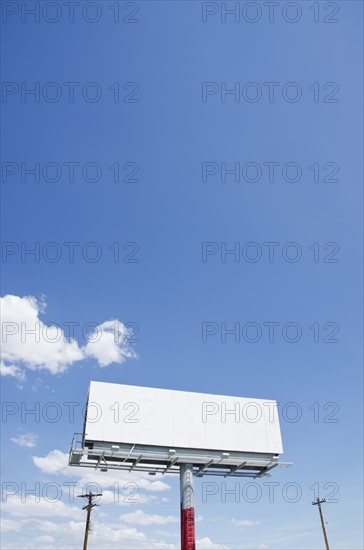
(119, 413)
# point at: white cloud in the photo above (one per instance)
(206, 544)
(44, 525)
(43, 534)
(10, 525)
(56, 462)
(244, 522)
(47, 539)
(132, 497)
(28, 342)
(25, 440)
(141, 518)
(107, 344)
(46, 348)
(12, 370)
(33, 505)
(53, 463)
(40, 517)
(116, 536)
(175, 533)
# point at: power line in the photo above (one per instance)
(265, 539)
(154, 541)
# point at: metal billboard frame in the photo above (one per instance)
(162, 460)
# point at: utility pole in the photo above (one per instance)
(88, 507)
(318, 502)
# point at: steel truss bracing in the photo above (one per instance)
(162, 460)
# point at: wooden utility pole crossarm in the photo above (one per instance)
(88, 507)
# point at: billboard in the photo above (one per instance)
(135, 415)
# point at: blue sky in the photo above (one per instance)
(166, 127)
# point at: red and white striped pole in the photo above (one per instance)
(187, 508)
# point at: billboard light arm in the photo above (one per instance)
(102, 460)
(169, 466)
(130, 452)
(136, 462)
(269, 467)
(235, 469)
(202, 468)
(224, 456)
(266, 469)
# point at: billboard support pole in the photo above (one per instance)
(187, 507)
